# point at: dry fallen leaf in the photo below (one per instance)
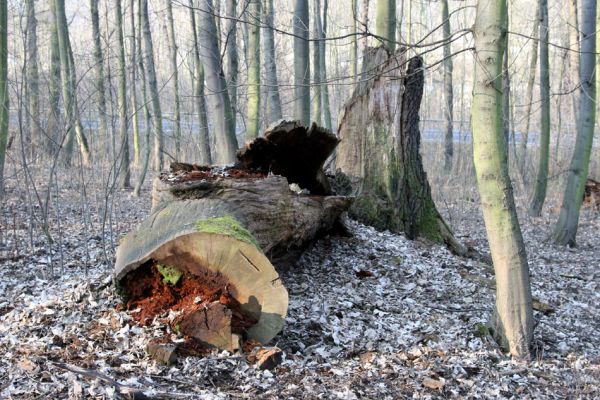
(434, 383)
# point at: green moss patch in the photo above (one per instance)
(170, 274)
(226, 225)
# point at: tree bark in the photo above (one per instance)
(40, 139)
(354, 48)
(448, 93)
(565, 230)
(3, 89)
(386, 23)
(541, 182)
(232, 56)
(226, 142)
(133, 50)
(152, 85)
(124, 165)
(273, 99)
(574, 55)
(513, 317)
(301, 62)
(529, 93)
(174, 78)
(203, 136)
(318, 98)
(99, 72)
(69, 84)
(323, 69)
(254, 10)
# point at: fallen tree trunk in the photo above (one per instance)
(214, 232)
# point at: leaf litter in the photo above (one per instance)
(370, 316)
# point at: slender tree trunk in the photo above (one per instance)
(174, 78)
(152, 85)
(226, 141)
(132, 86)
(205, 154)
(529, 94)
(506, 100)
(69, 84)
(301, 62)
(318, 97)
(254, 9)
(541, 182)
(448, 93)
(574, 56)
(124, 167)
(232, 56)
(386, 22)
(565, 230)
(3, 89)
(354, 48)
(323, 68)
(40, 139)
(513, 317)
(273, 99)
(99, 71)
(147, 116)
(52, 127)
(365, 39)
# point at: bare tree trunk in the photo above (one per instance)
(99, 71)
(39, 138)
(301, 62)
(354, 48)
(152, 85)
(124, 167)
(226, 141)
(323, 68)
(52, 127)
(132, 86)
(386, 23)
(254, 10)
(69, 84)
(232, 56)
(448, 94)
(541, 182)
(506, 100)
(273, 99)
(513, 317)
(318, 98)
(205, 154)
(3, 89)
(529, 94)
(147, 117)
(174, 78)
(574, 56)
(565, 230)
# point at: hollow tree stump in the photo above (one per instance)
(227, 225)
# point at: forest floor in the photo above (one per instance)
(411, 330)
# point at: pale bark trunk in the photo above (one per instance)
(541, 182)
(318, 98)
(99, 72)
(273, 100)
(529, 93)
(574, 55)
(448, 93)
(354, 48)
(3, 89)
(54, 113)
(39, 138)
(174, 79)
(226, 142)
(301, 62)
(147, 116)
(133, 87)
(69, 84)
(254, 9)
(152, 85)
(565, 230)
(232, 56)
(124, 166)
(385, 23)
(323, 68)
(513, 317)
(203, 137)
